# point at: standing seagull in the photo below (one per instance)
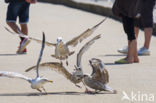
(62, 51)
(76, 76)
(36, 83)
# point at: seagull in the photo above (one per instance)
(99, 78)
(36, 83)
(62, 51)
(76, 76)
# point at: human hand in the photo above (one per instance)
(31, 1)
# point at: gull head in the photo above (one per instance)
(96, 63)
(59, 39)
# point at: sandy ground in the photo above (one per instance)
(58, 20)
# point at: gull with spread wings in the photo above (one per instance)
(62, 51)
(99, 78)
(36, 83)
(77, 75)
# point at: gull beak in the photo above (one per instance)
(50, 81)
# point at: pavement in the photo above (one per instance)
(136, 79)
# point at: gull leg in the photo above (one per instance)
(66, 62)
(71, 53)
(86, 89)
(61, 63)
(44, 90)
(78, 86)
(39, 90)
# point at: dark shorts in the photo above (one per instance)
(146, 19)
(18, 9)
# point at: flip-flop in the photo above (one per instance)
(122, 61)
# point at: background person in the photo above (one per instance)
(145, 22)
(19, 8)
(128, 11)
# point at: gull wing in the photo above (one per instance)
(84, 49)
(14, 75)
(40, 56)
(100, 74)
(84, 35)
(30, 38)
(54, 66)
(106, 76)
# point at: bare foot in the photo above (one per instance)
(136, 60)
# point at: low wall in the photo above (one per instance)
(101, 10)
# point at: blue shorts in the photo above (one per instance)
(18, 9)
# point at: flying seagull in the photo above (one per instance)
(62, 51)
(36, 83)
(76, 76)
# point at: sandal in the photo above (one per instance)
(122, 61)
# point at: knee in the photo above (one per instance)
(10, 23)
(131, 37)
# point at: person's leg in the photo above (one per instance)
(12, 13)
(24, 42)
(132, 42)
(147, 21)
(128, 24)
(124, 50)
(132, 52)
(24, 29)
(136, 30)
(148, 35)
(13, 26)
(23, 20)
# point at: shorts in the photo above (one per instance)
(18, 9)
(146, 19)
(128, 25)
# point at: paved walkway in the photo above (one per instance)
(58, 20)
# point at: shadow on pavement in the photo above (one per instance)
(52, 93)
(112, 55)
(13, 54)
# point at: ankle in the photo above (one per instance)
(130, 59)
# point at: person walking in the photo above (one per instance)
(19, 8)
